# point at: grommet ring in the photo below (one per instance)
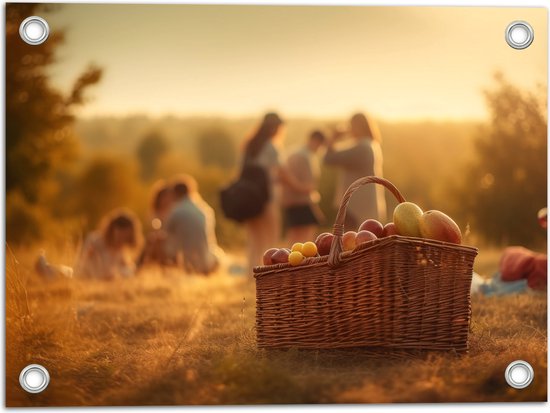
(519, 34)
(34, 30)
(34, 378)
(519, 374)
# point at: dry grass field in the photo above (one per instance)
(163, 339)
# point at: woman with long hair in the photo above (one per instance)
(362, 158)
(262, 149)
(110, 251)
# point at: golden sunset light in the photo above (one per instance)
(400, 62)
(275, 205)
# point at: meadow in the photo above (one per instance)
(163, 338)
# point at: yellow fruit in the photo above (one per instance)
(295, 258)
(297, 247)
(309, 249)
(406, 217)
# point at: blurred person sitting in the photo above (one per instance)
(520, 270)
(162, 203)
(302, 214)
(161, 206)
(191, 240)
(109, 252)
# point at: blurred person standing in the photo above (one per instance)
(262, 149)
(109, 252)
(301, 210)
(362, 158)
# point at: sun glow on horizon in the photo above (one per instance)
(236, 61)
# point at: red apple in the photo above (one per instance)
(439, 226)
(348, 240)
(280, 256)
(542, 217)
(321, 236)
(268, 254)
(324, 242)
(390, 229)
(373, 226)
(364, 236)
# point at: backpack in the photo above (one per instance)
(246, 197)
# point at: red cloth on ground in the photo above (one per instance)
(518, 263)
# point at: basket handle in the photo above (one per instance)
(338, 230)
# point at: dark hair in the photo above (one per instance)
(121, 219)
(318, 136)
(180, 190)
(369, 129)
(266, 131)
(184, 185)
(160, 190)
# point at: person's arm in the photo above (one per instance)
(210, 217)
(197, 254)
(346, 158)
(123, 265)
(287, 178)
(172, 242)
(293, 170)
(283, 174)
(87, 264)
(330, 158)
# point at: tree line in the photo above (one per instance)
(63, 173)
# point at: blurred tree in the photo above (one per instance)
(107, 182)
(150, 151)
(39, 117)
(216, 147)
(507, 184)
(24, 222)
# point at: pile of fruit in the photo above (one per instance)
(408, 220)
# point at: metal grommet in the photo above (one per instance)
(519, 374)
(34, 378)
(519, 35)
(34, 30)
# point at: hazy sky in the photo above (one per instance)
(395, 62)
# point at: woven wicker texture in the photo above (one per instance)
(395, 293)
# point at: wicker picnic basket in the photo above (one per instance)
(391, 294)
